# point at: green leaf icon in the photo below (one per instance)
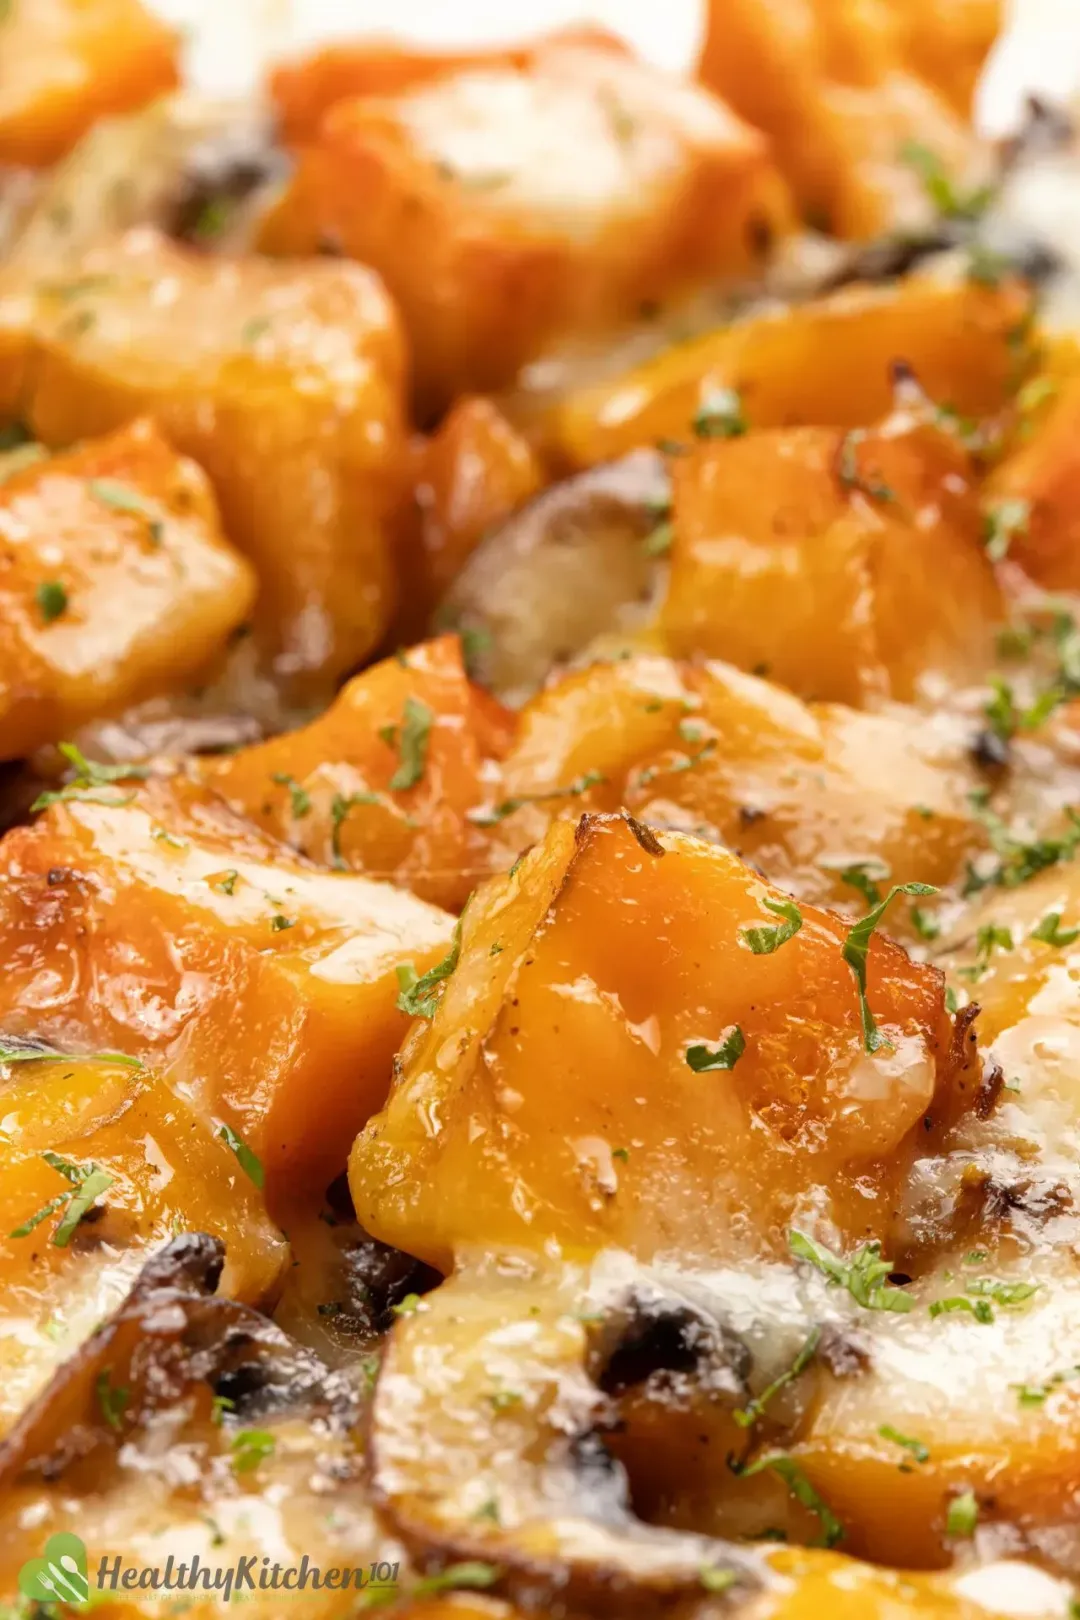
(58, 1577)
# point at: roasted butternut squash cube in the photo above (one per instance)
(991, 1398)
(612, 969)
(847, 566)
(470, 476)
(831, 86)
(383, 782)
(284, 382)
(826, 801)
(101, 1164)
(947, 46)
(303, 91)
(66, 63)
(827, 361)
(263, 987)
(116, 583)
(507, 209)
(1032, 500)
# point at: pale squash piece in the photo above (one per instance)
(803, 792)
(264, 986)
(116, 584)
(508, 209)
(382, 783)
(586, 976)
(284, 382)
(66, 63)
(166, 1171)
(832, 87)
(827, 361)
(847, 566)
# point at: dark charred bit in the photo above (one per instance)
(220, 175)
(990, 751)
(844, 1353)
(990, 1089)
(893, 256)
(650, 1340)
(749, 814)
(644, 835)
(1047, 128)
(378, 1277)
(963, 1035)
(907, 389)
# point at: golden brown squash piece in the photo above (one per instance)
(382, 782)
(827, 361)
(116, 583)
(509, 208)
(284, 382)
(830, 86)
(1032, 499)
(598, 977)
(989, 1403)
(803, 792)
(848, 566)
(161, 1169)
(66, 63)
(265, 986)
(469, 477)
(947, 45)
(303, 91)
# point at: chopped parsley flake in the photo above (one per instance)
(52, 600)
(122, 498)
(1050, 931)
(939, 186)
(850, 474)
(412, 745)
(250, 1447)
(720, 416)
(112, 1398)
(1003, 522)
(472, 1574)
(246, 1158)
(801, 1489)
(962, 1515)
(340, 805)
(300, 798)
(863, 1275)
(703, 1059)
(762, 940)
(417, 996)
(488, 817)
(748, 1415)
(857, 948)
(715, 1579)
(90, 777)
(918, 1450)
(88, 1182)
